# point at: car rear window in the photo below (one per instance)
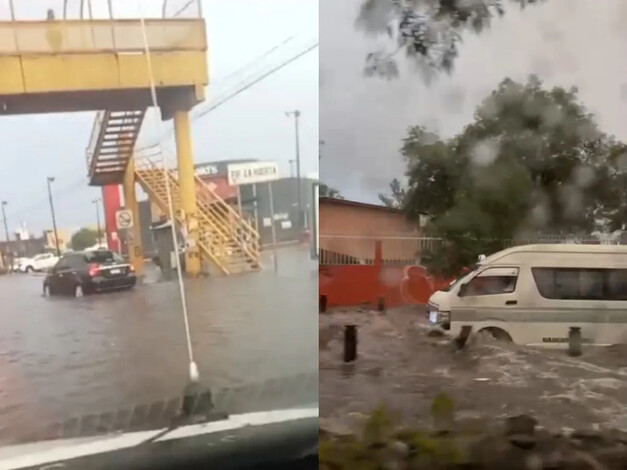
(103, 257)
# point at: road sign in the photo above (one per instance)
(251, 173)
(124, 219)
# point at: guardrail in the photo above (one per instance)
(90, 9)
(93, 138)
(92, 36)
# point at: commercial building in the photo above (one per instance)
(254, 201)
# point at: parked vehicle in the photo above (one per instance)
(86, 272)
(534, 295)
(41, 262)
(18, 263)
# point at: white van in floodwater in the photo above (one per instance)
(534, 294)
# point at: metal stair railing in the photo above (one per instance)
(94, 138)
(217, 213)
(152, 175)
(225, 212)
(221, 212)
(152, 182)
(131, 122)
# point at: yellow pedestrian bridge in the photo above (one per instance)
(101, 65)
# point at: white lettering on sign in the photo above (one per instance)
(251, 173)
(201, 171)
(207, 170)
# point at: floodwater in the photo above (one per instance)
(253, 338)
(402, 367)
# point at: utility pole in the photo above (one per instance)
(50, 179)
(4, 217)
(296, 114)
(96, 202)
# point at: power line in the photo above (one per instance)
(220, 102)
(257, 80)
(259, 58)
(252, 68)
(236, 85)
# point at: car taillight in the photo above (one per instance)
(94, 270)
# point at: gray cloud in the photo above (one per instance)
(564, 42)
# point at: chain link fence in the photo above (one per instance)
(403, 249)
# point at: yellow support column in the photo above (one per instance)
(134, 237)
(185, 159)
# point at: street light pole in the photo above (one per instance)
(50, 179)
(4, 217)
(96, 202)
(6, 232)
(296, 114)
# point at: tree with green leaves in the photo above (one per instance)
(533, 161)
(84, 238)
(327, 191)
(427, 32)
(396, 198)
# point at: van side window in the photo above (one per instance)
(492, 281)
(581, 283)
(617, 284)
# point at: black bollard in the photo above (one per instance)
(322, 304)
(574, 341)
(350, 343)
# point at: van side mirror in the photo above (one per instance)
(462, 289)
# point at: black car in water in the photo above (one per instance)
(80, 273)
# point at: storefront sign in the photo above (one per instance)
(252, 173)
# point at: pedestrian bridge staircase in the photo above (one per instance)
(226, 240)
(112, 144)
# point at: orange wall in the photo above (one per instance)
(345, 284)
(351, 285)
(337, 219)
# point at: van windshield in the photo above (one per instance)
(461, 279)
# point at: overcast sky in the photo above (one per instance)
(363, 120)
(251, 125)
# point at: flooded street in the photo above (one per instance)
(401, 366)
(253, 338)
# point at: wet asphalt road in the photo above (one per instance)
(400, 366)
(254, 339)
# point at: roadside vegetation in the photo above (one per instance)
(516, 444)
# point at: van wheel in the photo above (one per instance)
(29, 269)
(498, 334)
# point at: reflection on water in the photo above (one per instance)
(66, 357)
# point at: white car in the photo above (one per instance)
(41, 262)
(17, 264)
